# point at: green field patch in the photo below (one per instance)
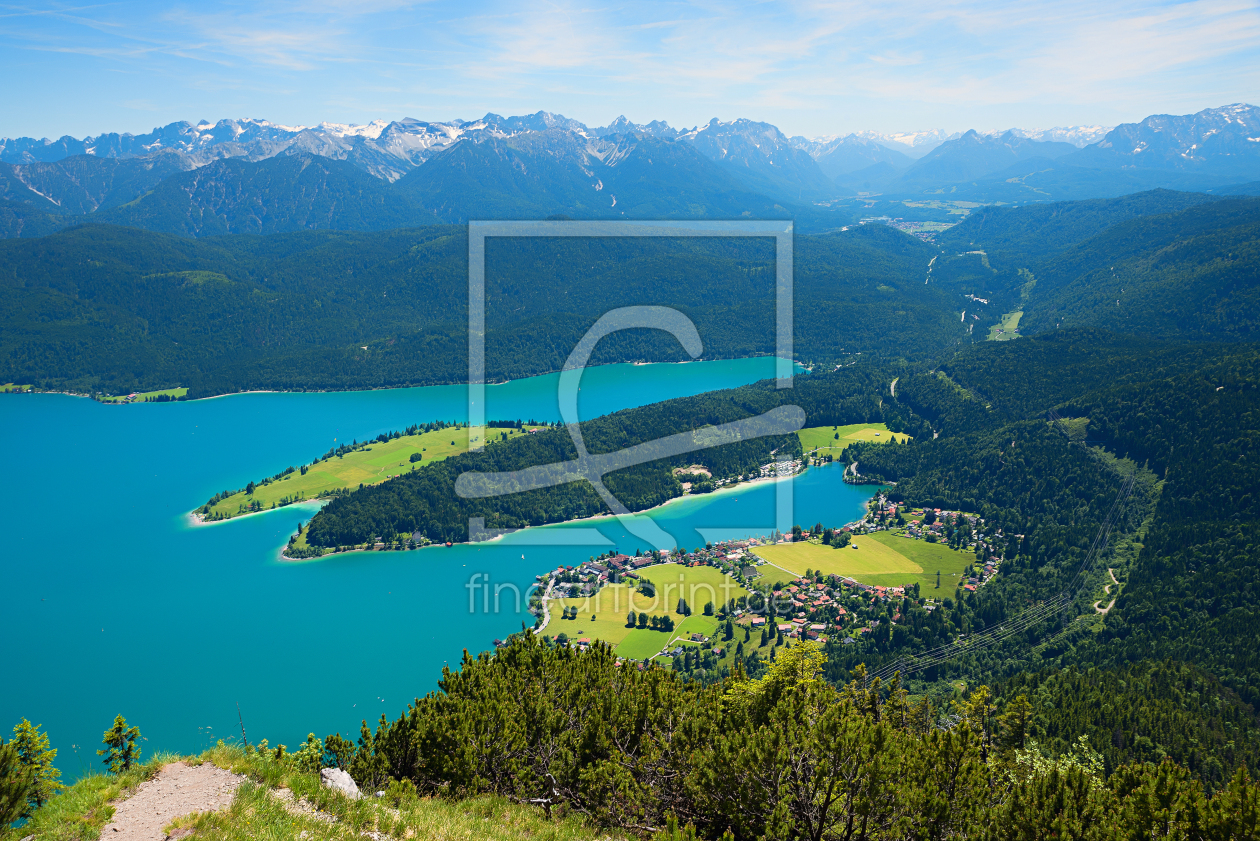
(1075, 428)
(603, 616)
(1004, 330)
(643, 642)
(6, 387)
(870, 558)
(697, 585)
(373, 463)
(145, 396)
(839, 437)
(883, 559)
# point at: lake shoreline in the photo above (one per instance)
(592, 518)
(31, 390)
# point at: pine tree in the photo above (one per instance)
(338, 752)
(37, 757)
(1015, 722)
(17, 786)
(631, 619)
(120, 751)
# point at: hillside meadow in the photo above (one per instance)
(882, 559)
(839, 437)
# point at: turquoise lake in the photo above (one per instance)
(114, 602)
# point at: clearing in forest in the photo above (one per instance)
(1004, 331)
(839, 437)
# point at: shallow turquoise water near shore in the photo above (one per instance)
(116, 603)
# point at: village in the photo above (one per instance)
(766, 603)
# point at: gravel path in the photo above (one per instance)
(177, 790)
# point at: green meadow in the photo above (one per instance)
(883, 559)
(144, 395)
(1004, 331)
(839, 437)
(368, 465)
(603, 615)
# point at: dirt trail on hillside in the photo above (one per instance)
(1107, 590)
(177, 790)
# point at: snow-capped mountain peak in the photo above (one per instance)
(370, 130)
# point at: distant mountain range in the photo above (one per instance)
(239, 176)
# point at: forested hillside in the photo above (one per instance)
(1037, 231)
(1186, 419)
(1186, 275)
(21, 220)
(1146, 711)
(281, 194)
(1160, 264)
(82, 184)
(118, 310)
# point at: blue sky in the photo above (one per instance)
(813, 68)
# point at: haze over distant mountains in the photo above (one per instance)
(254, 176)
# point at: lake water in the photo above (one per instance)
(115, 603)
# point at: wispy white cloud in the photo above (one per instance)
(814, 66)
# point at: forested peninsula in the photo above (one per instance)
(425, 500)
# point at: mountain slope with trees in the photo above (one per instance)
(1189, 558)
(120, 310)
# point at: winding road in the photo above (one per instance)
(1107, 591)
(546, 615)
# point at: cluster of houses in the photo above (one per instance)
(766, 471)
(731, 557)
(780, 468)
(817, 609)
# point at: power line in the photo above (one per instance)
(1032, 616)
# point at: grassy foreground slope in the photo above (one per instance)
(79, 813)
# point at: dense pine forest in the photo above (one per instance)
(102, 308)
(789, 755)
